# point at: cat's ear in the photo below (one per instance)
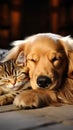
(21, 58)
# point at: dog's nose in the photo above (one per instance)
(43, 81)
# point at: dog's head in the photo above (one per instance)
(47, 63)
(47, 59)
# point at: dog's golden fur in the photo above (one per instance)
(47, 55)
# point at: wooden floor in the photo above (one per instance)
(48, 118)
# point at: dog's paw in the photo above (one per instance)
(27, 99)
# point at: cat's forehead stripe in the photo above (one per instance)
(9, 67)
(6, 67)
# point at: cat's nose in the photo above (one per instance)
(13, 82)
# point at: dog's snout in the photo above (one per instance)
(43, 81)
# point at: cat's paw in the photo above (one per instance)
(2, 101)
(6, 99)
(27, 99)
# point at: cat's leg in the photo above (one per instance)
(7, 98)
(3, 90)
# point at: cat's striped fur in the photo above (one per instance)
(13, 80)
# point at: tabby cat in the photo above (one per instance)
(13, 79)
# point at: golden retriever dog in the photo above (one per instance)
(49, 61)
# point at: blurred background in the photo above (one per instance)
(21, 18)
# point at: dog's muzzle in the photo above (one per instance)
(43, 81)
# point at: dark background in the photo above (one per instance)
(21, 18)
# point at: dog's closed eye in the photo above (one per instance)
(33, 60)
(56, 61)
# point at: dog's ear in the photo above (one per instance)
(67, 43)
(70, 64)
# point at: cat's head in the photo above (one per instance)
(13, 73)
